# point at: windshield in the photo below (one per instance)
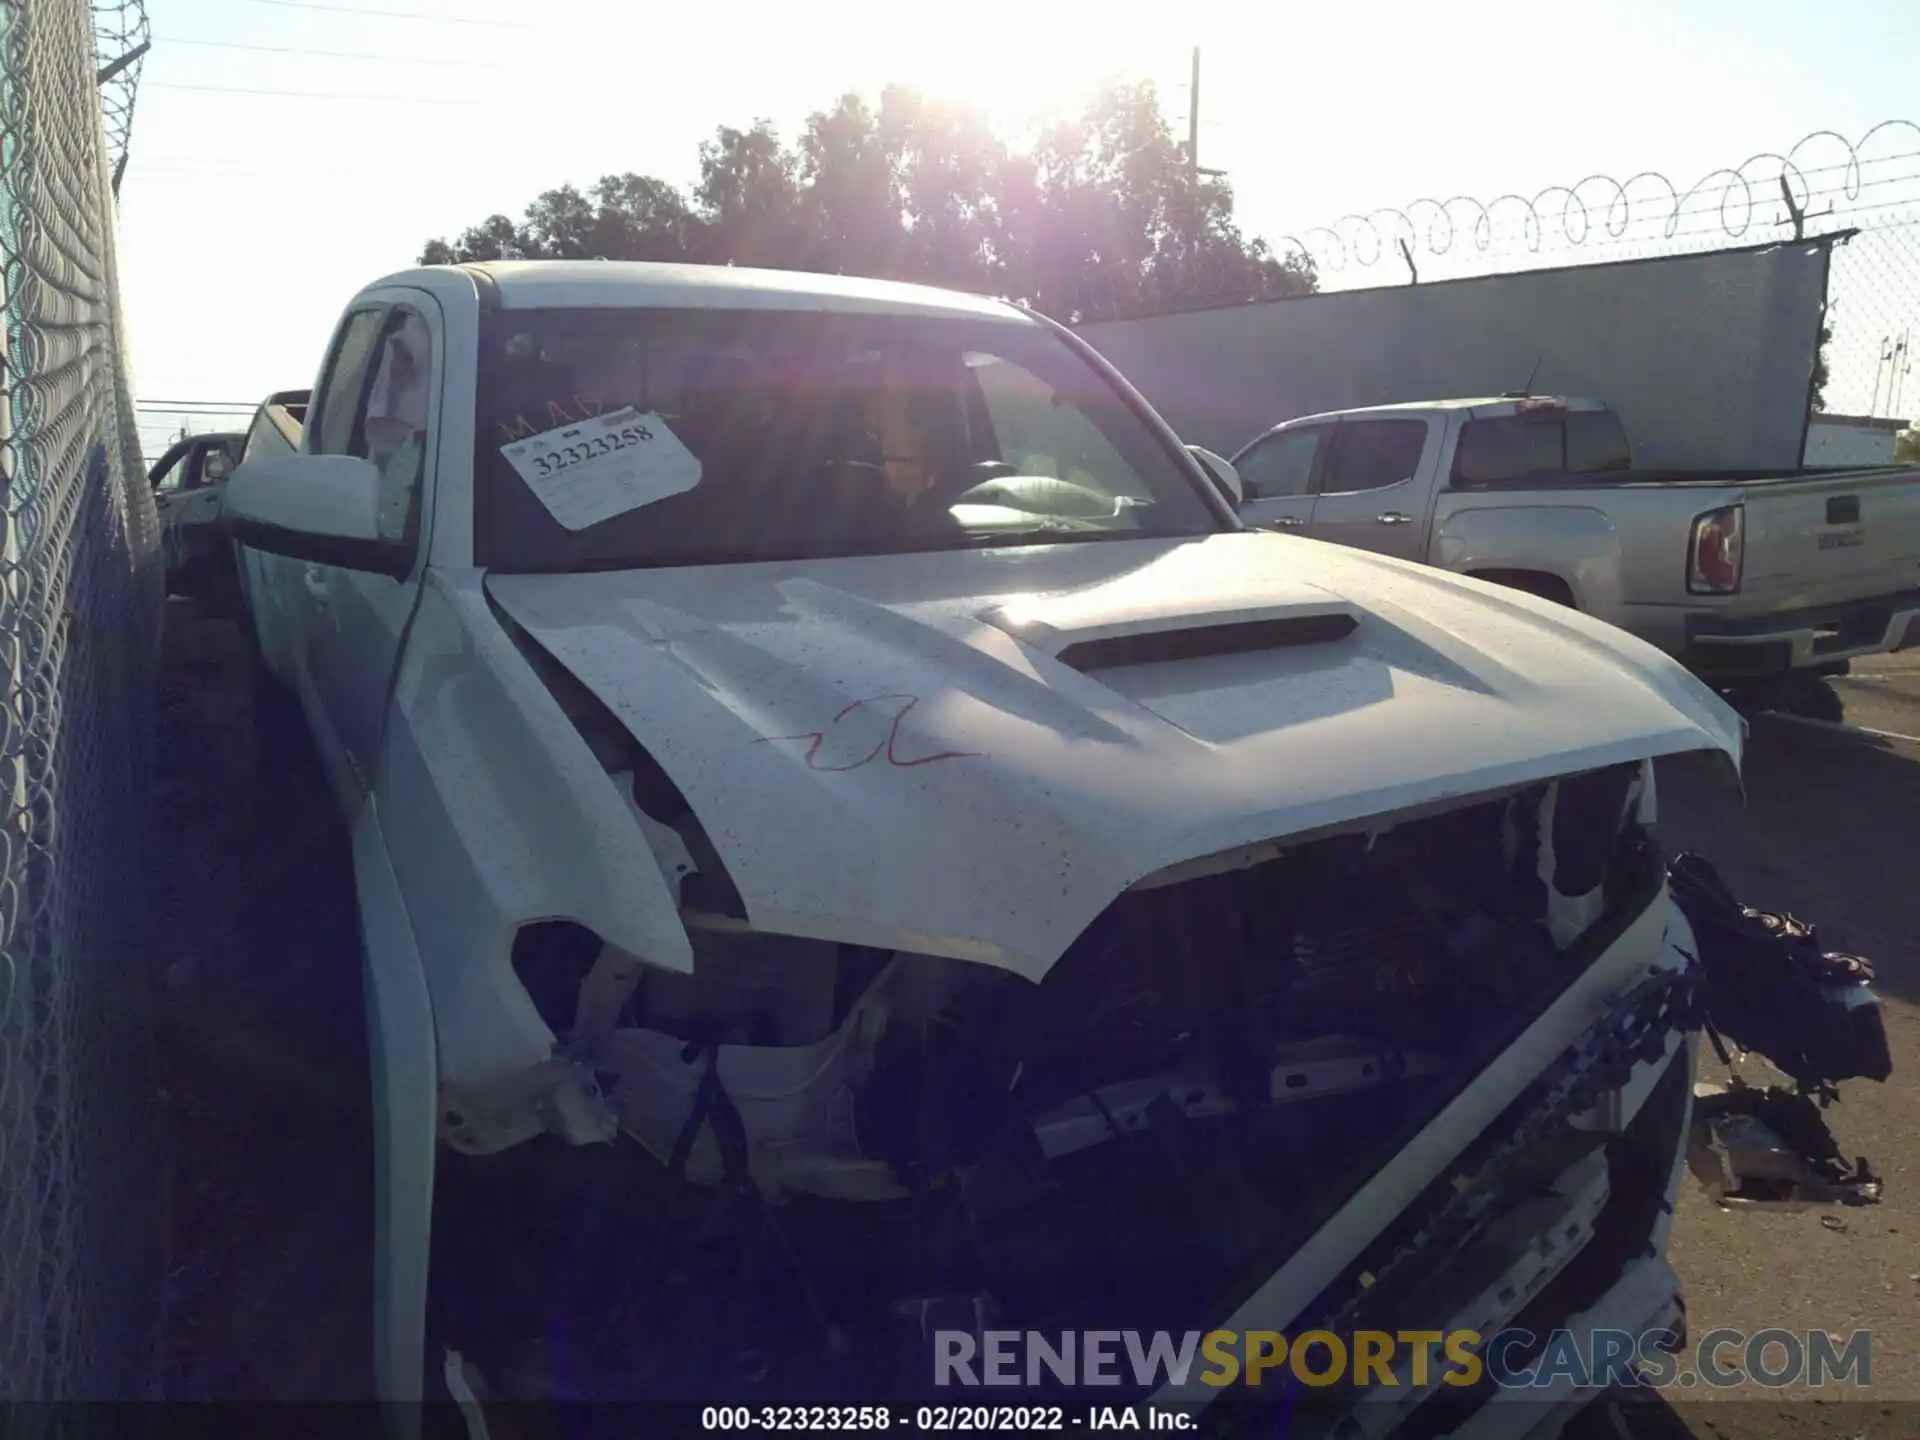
(628, 438)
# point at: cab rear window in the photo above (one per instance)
(1596, 442)
(1539, 445)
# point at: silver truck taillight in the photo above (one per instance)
(1714, 552)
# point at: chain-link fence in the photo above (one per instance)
(1823, 184)
(80, 1253)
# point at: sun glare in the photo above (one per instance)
(1019, 70)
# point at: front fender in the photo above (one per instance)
(496, 815)
(1577, 544)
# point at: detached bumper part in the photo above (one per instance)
(1767, 986)
(1771, 1149)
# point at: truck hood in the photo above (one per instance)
(973, 753)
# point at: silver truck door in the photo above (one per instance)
(196, 505)
(1374, 491)
(1277, 473)
(169, 480)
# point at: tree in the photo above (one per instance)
(750, 200)
(1906, 449)
(852, 197)
(640, 218)
(1103, 214)
(1821, 374)
(494, 238)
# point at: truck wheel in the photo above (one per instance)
(1797, 692)
(1806, 694)
(1547, 587)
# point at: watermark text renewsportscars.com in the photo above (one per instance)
(1512, 1359)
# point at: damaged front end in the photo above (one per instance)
(1329, 1076)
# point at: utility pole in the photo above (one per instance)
(1194, 167)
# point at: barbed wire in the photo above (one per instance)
(120, 39)
(1863, 195)
(1607, 208)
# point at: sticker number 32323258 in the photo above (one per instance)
(605, 466)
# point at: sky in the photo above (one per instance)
(285, 154)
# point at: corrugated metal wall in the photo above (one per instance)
(1707, 357)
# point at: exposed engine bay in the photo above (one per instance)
(827, 1152)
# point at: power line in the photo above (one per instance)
(394, 14)
(328, 54)
(145, 175)
(317, 94)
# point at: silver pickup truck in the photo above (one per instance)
(1748, 578)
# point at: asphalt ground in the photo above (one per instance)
(264, 1090)
(1828, 829)
(1884, 693)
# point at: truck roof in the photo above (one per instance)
(1493, 403)
(633, 284)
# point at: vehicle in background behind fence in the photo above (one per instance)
(1750, 579)
(187, 482)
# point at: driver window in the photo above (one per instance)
(174, 476)
(336, 404)
(394, 431)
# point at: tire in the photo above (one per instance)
(1814, 698)
(1547, 587)
(1801, 693)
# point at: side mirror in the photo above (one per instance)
(1223, 473)
(322, 508)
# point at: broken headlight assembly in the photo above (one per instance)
(826, 1150)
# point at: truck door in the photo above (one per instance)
(1374, 493)
(284, 595)
(357, 618)
(1277, 473)
(169, 478)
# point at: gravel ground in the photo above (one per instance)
(266, 1077)
(265, 1080)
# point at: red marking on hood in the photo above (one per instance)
(853, 722)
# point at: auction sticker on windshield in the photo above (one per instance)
(603, 467)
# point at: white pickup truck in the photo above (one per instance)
(855, 839)
(1748, 578)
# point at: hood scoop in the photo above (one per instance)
(1082, 632)
(1155, 646)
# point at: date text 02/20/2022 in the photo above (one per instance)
(944, 1419)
